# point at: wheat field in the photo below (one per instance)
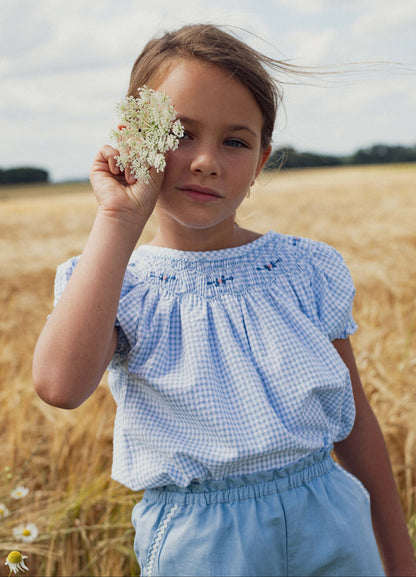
(64, 457)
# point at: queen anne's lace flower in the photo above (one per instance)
(26, 533)
(15, 561)
(148, 129)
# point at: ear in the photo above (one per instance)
(264, 155)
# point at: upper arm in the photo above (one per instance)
(348, 449)
(345, 351)
(365, 425)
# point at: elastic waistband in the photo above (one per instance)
(247, 486)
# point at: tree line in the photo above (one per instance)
(23, 175)
(288, 157)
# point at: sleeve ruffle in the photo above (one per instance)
(127, 318)
(124, 322)
(334, 292)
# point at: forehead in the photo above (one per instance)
(205, 89)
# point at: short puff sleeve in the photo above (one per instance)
(127, 318)
(334, 292)
(63, 274)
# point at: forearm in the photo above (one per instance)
(75, 345)
(365, 455)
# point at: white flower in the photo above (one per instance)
(19, 493)
(26, 533)
(148, 129)
(15, 561)
(4, 512)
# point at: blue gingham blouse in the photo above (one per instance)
(225, 364)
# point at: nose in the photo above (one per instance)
(206, 162)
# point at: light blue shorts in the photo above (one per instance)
(309, 518)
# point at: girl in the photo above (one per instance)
(229, 355)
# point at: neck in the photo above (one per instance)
(200, 240)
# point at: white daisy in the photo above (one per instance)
(15, 561)
(26, 533)
(19, 493)
(4, 512)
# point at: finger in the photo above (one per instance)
(129, 176)
(111, 155)
(105, 160)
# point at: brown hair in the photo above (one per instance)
(212, 44)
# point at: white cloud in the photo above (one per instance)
(75, 36)
(382, 17)
(312, 47)
(347, 116)
(307, 6)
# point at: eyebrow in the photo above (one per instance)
(231, 127)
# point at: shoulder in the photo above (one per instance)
(303, 248)
(323, 261)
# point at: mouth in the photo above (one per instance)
(200, 192)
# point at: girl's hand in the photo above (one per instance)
(119, 193)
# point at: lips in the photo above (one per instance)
(200, 193)
(203, 190)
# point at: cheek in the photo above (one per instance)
(172, 173)
(174, 161)
(244, 170)
(177, 156)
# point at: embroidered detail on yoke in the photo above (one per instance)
(220, 281)
(163, 277)
(270, 265)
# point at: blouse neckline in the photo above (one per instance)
(221, 254)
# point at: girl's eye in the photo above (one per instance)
(186, 136)
(234, 143)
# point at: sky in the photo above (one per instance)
(65, 64)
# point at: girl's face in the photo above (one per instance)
(219, 157)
